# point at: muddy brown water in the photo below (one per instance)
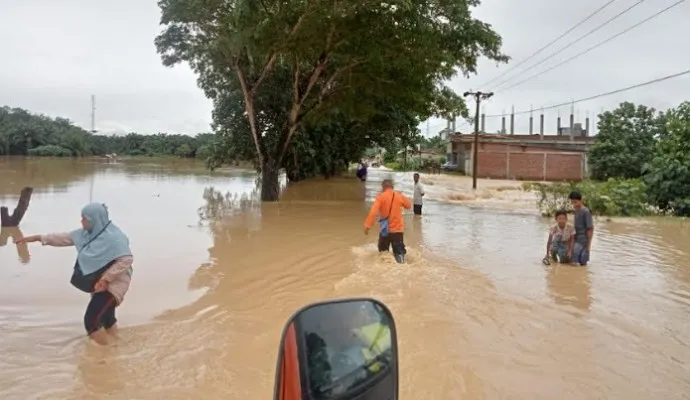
(479, 317)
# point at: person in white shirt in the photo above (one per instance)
(418, 194)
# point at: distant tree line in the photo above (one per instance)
(26, 134)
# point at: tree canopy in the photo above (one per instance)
(668, 173)
(639, 148)
(625, 142)
(321, 71)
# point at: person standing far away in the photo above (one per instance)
(388, 206)
(362, 171)
(418, 195)
(584, 229)
(103, 267)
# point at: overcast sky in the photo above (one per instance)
(55, 54)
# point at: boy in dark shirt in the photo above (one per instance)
(584, 229)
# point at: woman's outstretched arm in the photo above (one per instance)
(57, 239)
(51, 239)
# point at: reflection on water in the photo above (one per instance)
(478, 314)
(570, 285)
(15, 234)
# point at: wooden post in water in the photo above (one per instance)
(13, 220)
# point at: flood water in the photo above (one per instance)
(478, 315)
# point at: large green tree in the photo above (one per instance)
(625, 142)
(339, 57)
(668, 173)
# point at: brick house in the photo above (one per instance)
(518, 157)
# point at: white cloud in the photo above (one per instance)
(56, 54)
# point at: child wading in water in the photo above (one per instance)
(561, 241)
(103, 267)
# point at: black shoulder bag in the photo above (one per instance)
(85, 283)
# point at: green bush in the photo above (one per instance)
(49, 150)
(413, 164)
(615, 197)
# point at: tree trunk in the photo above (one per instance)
(270, 182)
(13, 220)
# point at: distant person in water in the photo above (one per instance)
(559, 247)
(103, 267)
(362, 171)
(417, 197)
(388, 206)
(584, 229)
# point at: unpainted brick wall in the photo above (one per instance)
(499, 161)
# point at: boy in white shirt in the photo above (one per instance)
(559, 247)
(418, 194)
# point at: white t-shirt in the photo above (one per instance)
(418, 193)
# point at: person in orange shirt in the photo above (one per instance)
(388, 206)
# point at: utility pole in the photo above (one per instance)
(93, 113)
(478, 97)
(93, 132)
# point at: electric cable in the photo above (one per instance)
(595, 46)
(538, 63)
(572, 28)
(567, 103)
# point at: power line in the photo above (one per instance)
(596, 45)
(567, 103)
(572, 28)
(615, 17)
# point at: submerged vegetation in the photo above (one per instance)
(615, 197)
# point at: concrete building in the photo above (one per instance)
(577, 131)
(530, 157)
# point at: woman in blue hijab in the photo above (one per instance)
(103, 267)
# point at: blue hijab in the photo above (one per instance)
(109, 243)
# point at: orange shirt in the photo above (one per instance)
(383, 204)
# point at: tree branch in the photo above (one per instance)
(313, 79)
(299, 98)
(251, 113)
(274, 56)
(336, 75)
(295, 81)
(316, 72)
(326, 88)
(264, 72)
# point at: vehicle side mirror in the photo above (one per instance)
(339, 350)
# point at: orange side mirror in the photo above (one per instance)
(290, 386)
